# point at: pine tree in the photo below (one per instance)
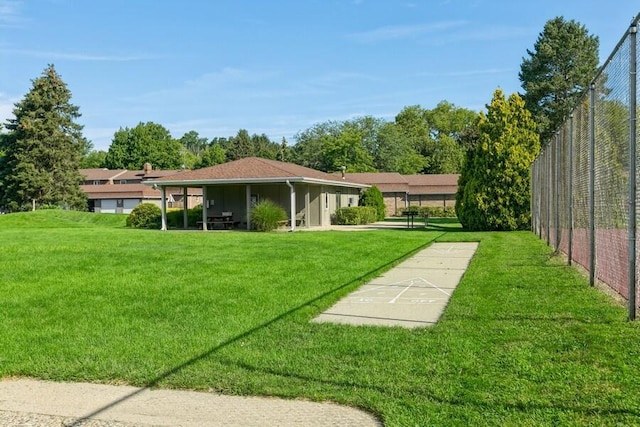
(43, 149)
(494, 187)
(558, 70)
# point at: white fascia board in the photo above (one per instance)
(201, 182)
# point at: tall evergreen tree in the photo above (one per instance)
(43, 149)
(494, 187)
(557, 71)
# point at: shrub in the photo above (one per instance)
(266, 216)
(175, 217)
(145, 215)
(431, 211)
(355, 215)
(373, 197)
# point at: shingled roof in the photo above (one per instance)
(433, 184)
(253, 170)
(392, 182)
(120, 191)
(385, 181)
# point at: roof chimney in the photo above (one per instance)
(344, 168)
(147, 168)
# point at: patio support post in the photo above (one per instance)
(163, 207)
(248, 202)
(205, 205)
(307, 204)
(292, 190)
(185, 207)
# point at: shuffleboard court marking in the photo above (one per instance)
(417, 294)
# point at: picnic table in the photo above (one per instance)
(410, 214)
(223, 220)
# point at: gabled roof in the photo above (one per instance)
(253, 170)
(433, 184)
(387, 182)
(120, 191)
(392, 182)
(101, 174)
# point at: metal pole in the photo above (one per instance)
(592, 182)
(556, 192)
(632, 172)
(549, 192)
(570, 192)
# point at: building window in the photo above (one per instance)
(123, 181)
(96, 182)
(120, 203)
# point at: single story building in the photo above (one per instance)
(230, 190)
(400, 191)
(121, 190)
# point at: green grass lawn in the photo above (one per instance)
(524, 340)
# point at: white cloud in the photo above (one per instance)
(74, 56)
(469, 73)
(10, 16)
(403, 31)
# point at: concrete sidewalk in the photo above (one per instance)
(25, 402)
(413, 294)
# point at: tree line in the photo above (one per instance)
(43, 148)
(419, 140)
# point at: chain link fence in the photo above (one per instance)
(584, 194)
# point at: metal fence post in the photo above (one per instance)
(592, 182)
(570, 193)
(549, 192)
(556, 192)
(632, 172)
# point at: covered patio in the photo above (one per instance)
(230, 190)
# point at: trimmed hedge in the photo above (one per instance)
(430, 211)
(145, 215)
(355, 215)
(175, 217)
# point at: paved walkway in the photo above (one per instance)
(413, 294)
(25, 402)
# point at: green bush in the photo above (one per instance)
(145, 215)
(175, 217)
(266, 216)
(431, 211)
(355, 215)
(373, 197)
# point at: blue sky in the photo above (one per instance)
(274, 66)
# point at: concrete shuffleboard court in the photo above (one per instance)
(412, 294)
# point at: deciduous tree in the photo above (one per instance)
(146, 143)
(94, 159)
(43, 149)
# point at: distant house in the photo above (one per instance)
(309, 197)
(121, 190)
(400, 191)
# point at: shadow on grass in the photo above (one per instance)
(426, 394)
(154, 382)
